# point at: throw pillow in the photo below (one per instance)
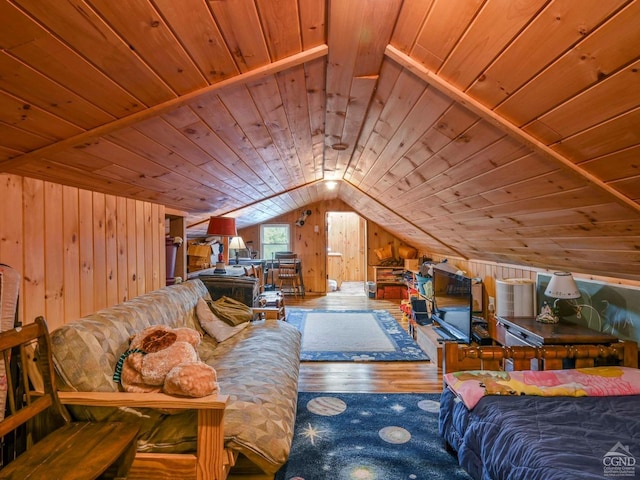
(214, 326)
(232, 311)
(384, 253)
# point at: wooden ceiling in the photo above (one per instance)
(503, 130)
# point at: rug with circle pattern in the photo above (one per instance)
(356, 436)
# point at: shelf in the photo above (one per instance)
(390, 282)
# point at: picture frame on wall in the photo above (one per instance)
(612, 309)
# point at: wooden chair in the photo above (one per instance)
(55, 446)
(288, 273)
(255, 271)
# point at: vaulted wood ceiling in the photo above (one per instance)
(504, 130)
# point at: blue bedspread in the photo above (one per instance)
(544, 438)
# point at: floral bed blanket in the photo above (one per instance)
(471, 386)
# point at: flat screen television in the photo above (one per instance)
(452, 307)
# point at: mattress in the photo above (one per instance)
(545, 438)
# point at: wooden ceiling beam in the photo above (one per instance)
(89, 135)
(504, 125)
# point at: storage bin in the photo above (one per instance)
(388, 292)
(419, 312)
(371, 289)
(411, 264)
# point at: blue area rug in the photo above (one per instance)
(356, 436)
(353, 336)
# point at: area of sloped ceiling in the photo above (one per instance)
(505, 131)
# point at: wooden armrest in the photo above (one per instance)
(211, 461)
(150, 400)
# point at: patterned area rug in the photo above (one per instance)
(353, 336)
(360, 436)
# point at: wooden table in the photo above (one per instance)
(271, 305)
(270, 313)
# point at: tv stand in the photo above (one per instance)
(430, 341)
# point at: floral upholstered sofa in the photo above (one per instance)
(257, 371)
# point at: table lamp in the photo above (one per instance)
(237, 244)
(221, 227)
(561, 286)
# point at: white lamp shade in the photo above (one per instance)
(562, 285)
(237, 243)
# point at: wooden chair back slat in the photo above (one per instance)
(11, 398)
(23, 403)
(13, 338)
(23, 415)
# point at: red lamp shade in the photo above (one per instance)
(222, 227)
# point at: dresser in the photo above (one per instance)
(527, 331)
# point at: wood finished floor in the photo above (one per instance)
(373, 377)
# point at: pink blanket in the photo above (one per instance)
(471, 386)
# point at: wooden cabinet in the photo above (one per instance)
(431, 343)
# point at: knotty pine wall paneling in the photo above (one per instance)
(311, 247)
(78, 251)
(28, 261)
(54, 255)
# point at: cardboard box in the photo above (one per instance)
(411, 264)
(199, 251)
(388, 292)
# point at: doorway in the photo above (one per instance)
(346, 249)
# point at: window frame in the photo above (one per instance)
(280, 247)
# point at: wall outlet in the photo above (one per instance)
(492, 305)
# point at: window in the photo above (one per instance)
(274, 238)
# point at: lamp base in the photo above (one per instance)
(220, 268)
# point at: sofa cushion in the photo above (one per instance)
(258, 369)
(85, 352)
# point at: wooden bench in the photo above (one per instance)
(47, 443)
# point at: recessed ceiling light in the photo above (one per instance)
(339, 146)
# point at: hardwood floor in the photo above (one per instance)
(373, 377)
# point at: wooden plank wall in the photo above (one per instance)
(311, 246)
(78, 251)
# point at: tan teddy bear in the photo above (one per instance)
(165, 359)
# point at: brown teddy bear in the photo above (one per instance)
(165, 359)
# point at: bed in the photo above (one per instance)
(561, 427)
